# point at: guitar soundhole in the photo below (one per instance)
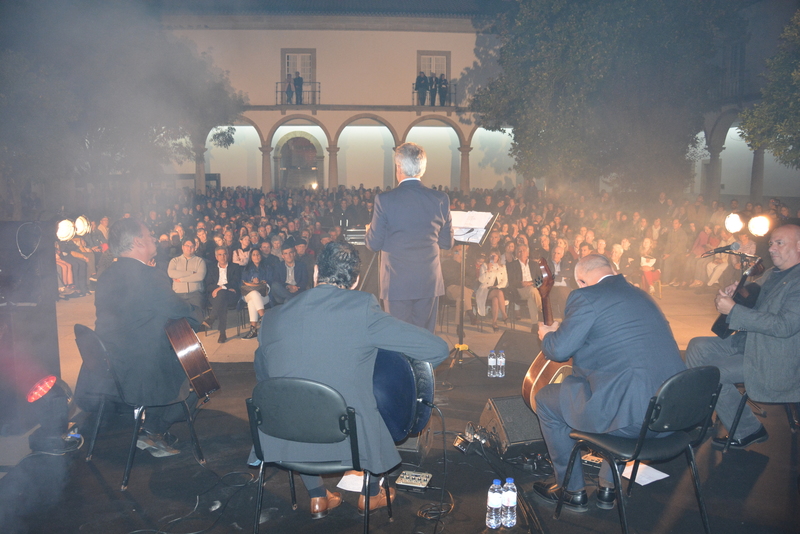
(559, 376)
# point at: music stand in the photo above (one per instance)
(471, 227)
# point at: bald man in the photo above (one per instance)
(622, 351)
(763, 354)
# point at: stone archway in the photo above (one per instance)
(299, 161)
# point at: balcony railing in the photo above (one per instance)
(310, 94)
(450, 97)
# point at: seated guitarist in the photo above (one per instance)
(622, 350)
(134, 301)
(763, 353)
(331, 334)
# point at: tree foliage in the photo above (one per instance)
(595, 87)
(774, 123)
(92, 88)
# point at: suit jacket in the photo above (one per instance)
(332, 335)
(771, 354)
(134, 303)
(300, 275)
(410, 224)
(514, 269)
(212, 278)
(622, 350)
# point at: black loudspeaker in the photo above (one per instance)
(370, 281)
(513, 428)
(414, 449)
(519, 346)
(28, 328)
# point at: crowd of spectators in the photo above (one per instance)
(271, 240)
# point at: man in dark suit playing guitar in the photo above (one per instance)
(622, 350)
(331, 334)
(134, 301)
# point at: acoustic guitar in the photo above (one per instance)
(401, 387)
(192, 357)
(746, 295)
(543, 371)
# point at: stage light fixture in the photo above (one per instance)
(82, 226)
(51, 400)
(759, 226)
(733, 223)
(65, 230)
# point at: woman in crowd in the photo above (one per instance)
(493, 278)
(649, 268)
(255, 290)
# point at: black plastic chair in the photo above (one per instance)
(95, 357)
(306, 411)
(792, 416)
(683, 403)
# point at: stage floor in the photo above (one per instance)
(752, 491)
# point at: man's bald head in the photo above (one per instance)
(590, 269)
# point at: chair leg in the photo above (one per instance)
(575, 450)
(623, 518)
(138, 414)
(696, 479)
(292, 489)
(388, 495)
(195, 442)
(793, 416)
(93, 437)
(735, 424)
(366, 501)
(259, 497)
(634, 471)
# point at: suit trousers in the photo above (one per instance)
(728, 356)
(219, 308)
(559, 445)
(419, 312)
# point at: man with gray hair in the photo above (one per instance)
(134, 301)
(410, 224)
(622, 351)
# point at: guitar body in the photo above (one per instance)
(192, 357)
(746, 295)
(400, 384)
(543, 371)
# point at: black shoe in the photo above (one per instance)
(605, 497)
(577, 501)
(758, 436)
(222, 338)
(251, 334)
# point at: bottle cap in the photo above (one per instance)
(509, 480)
(496, 481)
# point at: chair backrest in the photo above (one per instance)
(685, 400)
(97, 367)
(297, 409)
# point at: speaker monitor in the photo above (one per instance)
(519, 346)
(513, 426)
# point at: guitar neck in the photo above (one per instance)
(547, 311)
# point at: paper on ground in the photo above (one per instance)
(645, 475)
(352, 482)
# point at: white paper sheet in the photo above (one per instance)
(645, 475)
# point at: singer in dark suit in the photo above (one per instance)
(410, 224)
(622, 350)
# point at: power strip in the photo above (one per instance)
(413, 481)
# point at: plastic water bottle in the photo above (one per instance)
(494, 505)
(492, 365)
(508, 511)
(501, 365)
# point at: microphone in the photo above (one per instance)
(732, 247)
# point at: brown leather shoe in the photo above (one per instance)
(376, 502)
(321, 505)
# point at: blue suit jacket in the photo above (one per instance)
(622, 350)
(410, 224)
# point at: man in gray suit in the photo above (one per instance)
(622, 351)
(410, 224)
(331, 334)
(764, 353)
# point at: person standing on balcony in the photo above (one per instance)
(432, 85)
(298, 88)
(289, 88)
(443, 90)
(421, 86)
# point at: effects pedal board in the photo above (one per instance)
(413, 481)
